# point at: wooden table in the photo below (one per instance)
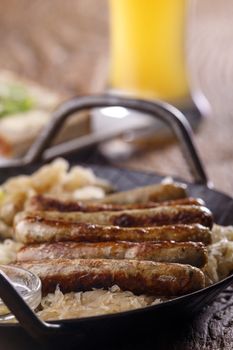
(63, 45)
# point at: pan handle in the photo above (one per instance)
(161, 110)
(38, 329)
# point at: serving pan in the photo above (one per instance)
(113, 326)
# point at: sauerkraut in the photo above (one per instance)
(97, 302)
(220, 254)
(8, 251)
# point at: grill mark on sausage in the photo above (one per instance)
(164, 215)
(41, 203)
(191, 253)
(138, 277)
(32, 228)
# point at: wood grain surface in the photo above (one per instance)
(64, 45)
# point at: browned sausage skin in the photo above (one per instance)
(33, 228)
(191, 253)
(137, 276)
(152, 193)
(167, 215)
(180, 214)
(48, 203)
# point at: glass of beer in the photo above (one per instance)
(148, 60)
(147, 49)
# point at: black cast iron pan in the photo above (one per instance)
(80, 331)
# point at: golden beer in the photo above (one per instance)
(147, 48)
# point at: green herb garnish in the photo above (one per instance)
(14, 99)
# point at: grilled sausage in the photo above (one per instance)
(191, 253)
(31, 228)
(47, 203)
(154, 193)
(180, 214)
(139, 277)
